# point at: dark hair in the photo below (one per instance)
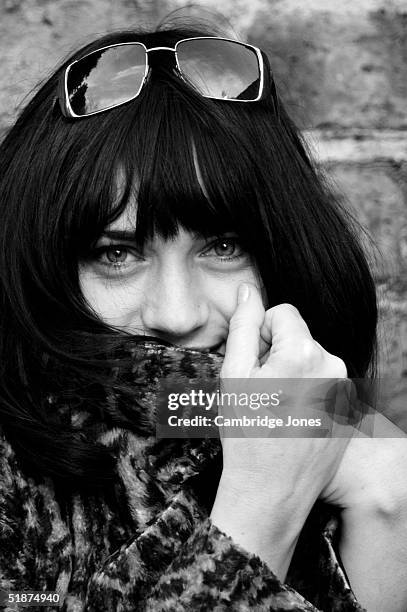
(58, 191)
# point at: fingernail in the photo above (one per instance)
(243, 293)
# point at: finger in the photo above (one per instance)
(242, 345)
(283, 322)
(264, 349)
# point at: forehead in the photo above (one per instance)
(127, 220)
(124, 228)
(160, 203)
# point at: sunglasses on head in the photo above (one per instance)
(113, 75)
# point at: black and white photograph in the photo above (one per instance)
(203, 306)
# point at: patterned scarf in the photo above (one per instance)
(146, 543)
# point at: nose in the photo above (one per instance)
(174, 307)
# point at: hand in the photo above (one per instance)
(292, 353)
(268, 486)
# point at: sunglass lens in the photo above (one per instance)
(220, 68)
(106, 78)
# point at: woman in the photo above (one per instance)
(149, 205)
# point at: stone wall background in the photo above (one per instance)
(340, 66)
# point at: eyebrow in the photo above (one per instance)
(129, 235)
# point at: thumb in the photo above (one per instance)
(243, 342)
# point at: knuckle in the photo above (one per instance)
(338, 366)
(268, 314)
(284, 307)
(290, 308)
(310, 351)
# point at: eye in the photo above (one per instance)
(116, 254)
(225, 247)
(115, 257)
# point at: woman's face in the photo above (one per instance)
(181, 290)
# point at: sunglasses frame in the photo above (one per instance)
(63, 86)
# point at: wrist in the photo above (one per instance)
(264, 522)
(258, 489)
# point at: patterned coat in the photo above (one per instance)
(148, 544)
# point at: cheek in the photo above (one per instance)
(222, 293)
(114, 303)
(120, 303)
